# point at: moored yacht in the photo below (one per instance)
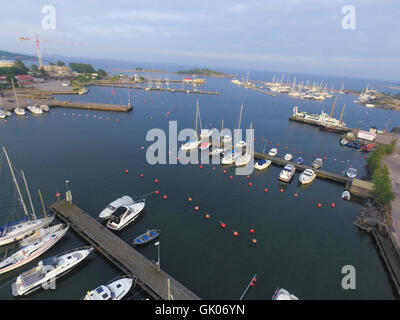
(317, 163)
(230, 157)
(45, 107)
(288, 157)
(125, 215)
(243, 160)
(48, 270)
(19, 111)
(307, 176)
(262, 164)
(287, 173)
(115, 290)
(123, 201)
(35, 109)
(273, 152)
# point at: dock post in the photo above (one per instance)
(68, 194)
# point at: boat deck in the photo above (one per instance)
(120, 253)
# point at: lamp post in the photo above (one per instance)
(158, 260)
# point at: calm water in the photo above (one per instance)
(300, 247)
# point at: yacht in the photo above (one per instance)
(273, 152)
(35, 109)
(40, 234)
(123, 201)
(262, 164)
(216, 152)
(204, 145)
(48, 270)
(287, 173)
(19, 111)
(288, 157)
(114, 290)
(125, 215)
(190, 145)
(31, 251)
(351, 172)
(307, 176)
(282, 294)
(317, 163)
(205, 134)
(230, 157)
(83, 91)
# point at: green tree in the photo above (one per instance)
(34, 67)
(101, 74)
(60, 63)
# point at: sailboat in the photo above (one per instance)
(241, 143)
(193, 143)
(333, 125)
(205, 135)
(18, 111)
(244, 159)
(341, 91)
(26, 226)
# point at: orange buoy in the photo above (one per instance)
(296, 195)
(207, 216)
(319, 205)
(190, 199)
(224, 171)
(196, 208)
(254, 241)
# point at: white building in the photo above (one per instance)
(6, 63)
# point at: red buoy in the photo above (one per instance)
(333, 204)
(265, 190)
(281, 190)
(141, 175)
(190, 199)
(231, 177)
(207, 216)
(250, 184)
(201, 167)
(319, 205)
(126, 171)
(254, 241)
(252, 231)
(165, 197)
(213, 168)
(157, 192)
(223, 225)
(58, 194)
(252, 284)
(224, 171)
(235, 233)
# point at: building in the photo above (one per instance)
(58, 71)
(6, 63)
(24, 80)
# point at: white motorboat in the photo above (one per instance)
(44, 107)
(343, 142)
(35, 109)
(19, 111)
(190, 145)
(230, 157)
(262, 164)
(31, 251)
(114, 290)
(273, 152)
(346, 195)
(123, 201)
(351, 172)
(83, 91)
(216, 152)
(317, 163)
(243, 160)
(64, 84)
(48, 270)
(8, 113)
(282, 294)
(287, 173)
(125, 215)
(307, 176)
(2, 114)
(288, 157)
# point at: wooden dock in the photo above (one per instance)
(89, 105)
(121, 254)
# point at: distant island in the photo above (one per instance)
(6, 55)
(205, 72)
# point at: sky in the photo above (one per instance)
(304, 36)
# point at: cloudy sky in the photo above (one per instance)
(304, 36)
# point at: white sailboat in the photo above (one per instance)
(17, 110)
(48, 270)
(19, 229)
(114, 290)
(246, 158)
(31, 251)
(193, 143)
(282, 294)
(240, 143)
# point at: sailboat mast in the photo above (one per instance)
(220, 137)
(15, 93)
(341, 116)
(332, 109)
(29, 195)
(16, 183)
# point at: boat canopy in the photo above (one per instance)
(261, 161)
(50, 261)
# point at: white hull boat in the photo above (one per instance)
(204, 145)
(125, 215)
(114, 290)
(283, 294)
(240, 144)
(230, 157)
(351, 173)
(48, 270)
(39, 234)
(307, 176)
(31, 251)
(2, 114)
(346, 195)
(190, 145)
(216, 152)
(262, 164)
(35, 109)
(273, 152)
(45, 107)
(317, 163)
(288, 157)
(8, 113)
(243, 160)
(19, 111)
(287, 173)
(123, 201)
(205, 134)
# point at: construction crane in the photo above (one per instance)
(37, 41)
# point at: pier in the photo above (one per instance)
(144, 272)
(89, 105)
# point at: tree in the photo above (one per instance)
(101, 74)
(51, 63)
(60, 63)
(81, 67)
(34, 67)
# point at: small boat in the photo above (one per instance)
(123, 201)
(204, 145)
(125, 215)
(48, 270)
(35, 109)
(282, 294)
(351, 172)
(317, 163)
(307, 176)
(64, 84)
(243, 160)
(288, 157)
(205, 134)
(299, 160)
(146, 237)
(216, 152)
(2, 114)
(273, 152)
(115, 290)
(346, 195)
(31, 251)
(262, 164)
(44, 107)
(344, 142)
(83, 91)
(190, 145)
(230, 157)
(287, 173)
(19, 111)
(8, 113)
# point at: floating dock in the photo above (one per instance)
(144, 272)
(89, 105)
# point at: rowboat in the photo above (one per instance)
(146, 237)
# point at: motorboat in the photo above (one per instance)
(317, 163)
(230, 157)
(351, 172)
(282, 294)
(205, 134)
(216, 152)
(288, 157)
(273, 152)
(83, 91)
(115, 290)
(344, 142)
(44, 107)
(48, 270)
(8, 113)
(299, 160)
(146, 237)
(190, 145)
(123, 201)
(243, 160)
(307, 176)
(19, 111)
(35, 109)
(125, 215)
(287, 173)
(262, 164)
(2, 114)
(31, 251)
(204, 145)
(346, 195)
